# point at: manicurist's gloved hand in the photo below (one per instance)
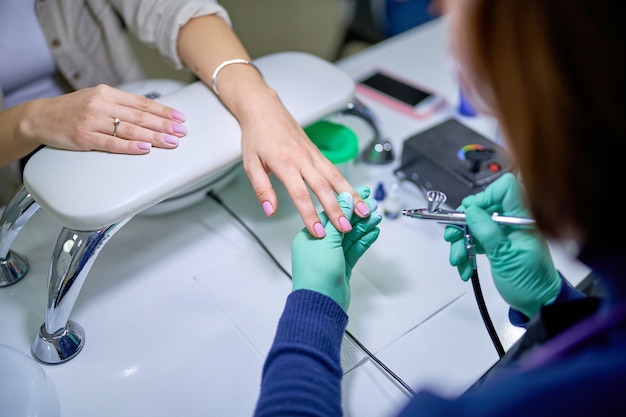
(325, 265)
(521, 264)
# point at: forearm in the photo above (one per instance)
(15, 140)
(302, 373)
(207, 41)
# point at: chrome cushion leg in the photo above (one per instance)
(17, 212)
(60, 339)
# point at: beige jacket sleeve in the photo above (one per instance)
(90, 46)
(157, 22)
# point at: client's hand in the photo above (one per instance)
(521, 264)
(100, 118)
(325, 265)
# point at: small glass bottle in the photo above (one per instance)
(392, 207)
(465, 107)
(380, 193)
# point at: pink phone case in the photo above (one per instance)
(422, 110)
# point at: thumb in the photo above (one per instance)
(346, 204)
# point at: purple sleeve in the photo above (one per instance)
(302, 372)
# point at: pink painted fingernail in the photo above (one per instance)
(179, 129)
(362, 208)
(345, 224)
(180, 116)
(268, 208)
(171, 140)
(319, 230)
(144, 146)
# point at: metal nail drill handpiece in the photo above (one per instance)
(433, 212)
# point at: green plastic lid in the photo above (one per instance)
(337, 142)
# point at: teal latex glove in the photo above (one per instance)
(521, 264)
(325, 265)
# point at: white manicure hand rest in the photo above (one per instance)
(90, 190)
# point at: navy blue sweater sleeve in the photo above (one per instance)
(566, 293)
(302, 372)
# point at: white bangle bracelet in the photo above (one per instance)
(225, 64)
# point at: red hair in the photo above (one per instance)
(557, 74)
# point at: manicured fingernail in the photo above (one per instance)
(180, 116)
(319, 230)
(179, 129)
(362, 209)
(144, 146)
(345, 224)
(172, 140)
(268, 208)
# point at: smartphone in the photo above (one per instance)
(404, 96)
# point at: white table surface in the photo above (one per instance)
(180, 309)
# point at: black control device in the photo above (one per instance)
(452, 158)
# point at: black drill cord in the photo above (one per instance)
(475, 284)
(482, 307)
(371, 355)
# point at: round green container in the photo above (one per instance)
(337, 142)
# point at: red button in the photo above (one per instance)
(494, 167)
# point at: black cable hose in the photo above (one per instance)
(482, 307)
(475, 285)
(373, 357)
